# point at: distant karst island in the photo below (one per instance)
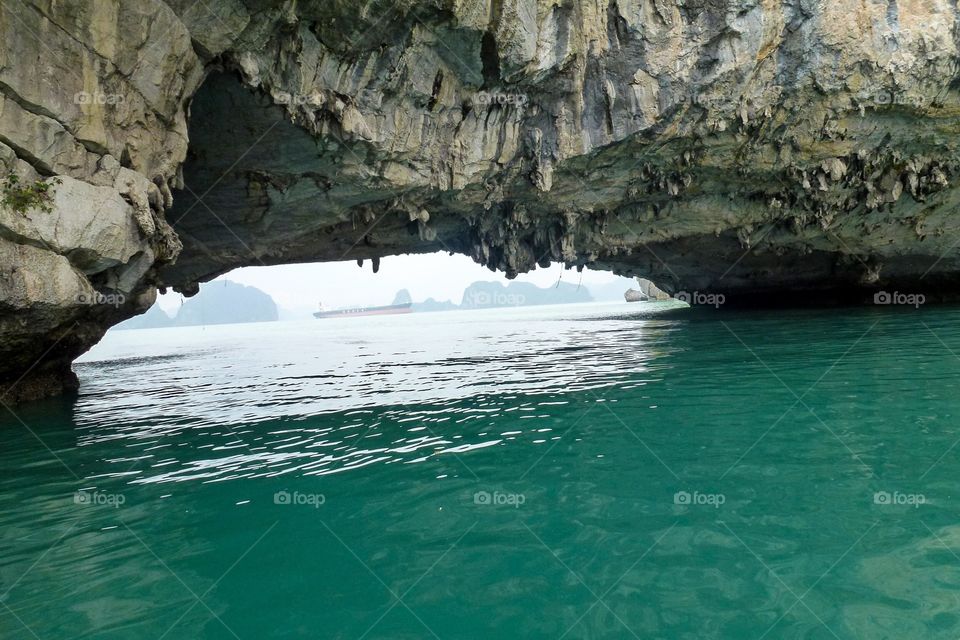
(489, 295)
(220, 302)
(227, 302)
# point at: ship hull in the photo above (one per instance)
(389, 310)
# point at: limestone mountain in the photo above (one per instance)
(226, 302)
(482, 295)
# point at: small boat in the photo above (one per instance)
(388, 310)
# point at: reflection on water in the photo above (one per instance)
(396, 390)
(570, 472)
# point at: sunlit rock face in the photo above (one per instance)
(92, 94)
(753, 149)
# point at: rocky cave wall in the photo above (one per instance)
(757, 148)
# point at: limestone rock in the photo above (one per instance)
(754, 149)
(93, 227)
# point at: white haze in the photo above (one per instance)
(298, 288)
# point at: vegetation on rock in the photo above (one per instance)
(24, 197)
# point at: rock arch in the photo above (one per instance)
(762, 151)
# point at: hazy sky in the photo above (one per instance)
(300, 287)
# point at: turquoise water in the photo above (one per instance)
(587, 471)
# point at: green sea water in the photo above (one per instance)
(587, 471)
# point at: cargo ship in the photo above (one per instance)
(388, 310)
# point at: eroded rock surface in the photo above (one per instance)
(752, 148)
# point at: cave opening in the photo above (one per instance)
(426, 282)
(262, 187)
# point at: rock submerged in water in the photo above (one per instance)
(633, 295)
(647, 291)
(759, 151)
